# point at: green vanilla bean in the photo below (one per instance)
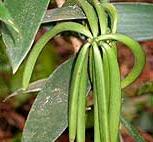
(96, 118)
(101, 16)
(112, 12)
(106, 74)
(115, 94)
(101, 94)
(136, 49)
(65, 26)
(91, 65)
(91, 16)
(97, 137)
(74, 91)
(81, 117)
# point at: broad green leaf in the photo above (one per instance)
(135, 19)
(6, 17)
(28, 15)
(48, 116)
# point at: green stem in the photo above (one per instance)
(66, 26)
(136, 49)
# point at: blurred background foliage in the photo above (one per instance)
(137, 100)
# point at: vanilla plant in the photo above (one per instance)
(97, 61)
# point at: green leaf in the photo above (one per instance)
(33, 87)
(4, 63)
(28, 15)
(48, 116)
(6, 17)
(135, 19)
(64, 13)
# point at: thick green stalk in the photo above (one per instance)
(74, 91)
(115, 93)
(101, 94)
(66, 26)
(136, 49)
(91, 16)
(82, 102)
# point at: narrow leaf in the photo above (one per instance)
(33, 87)
(132, 130)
